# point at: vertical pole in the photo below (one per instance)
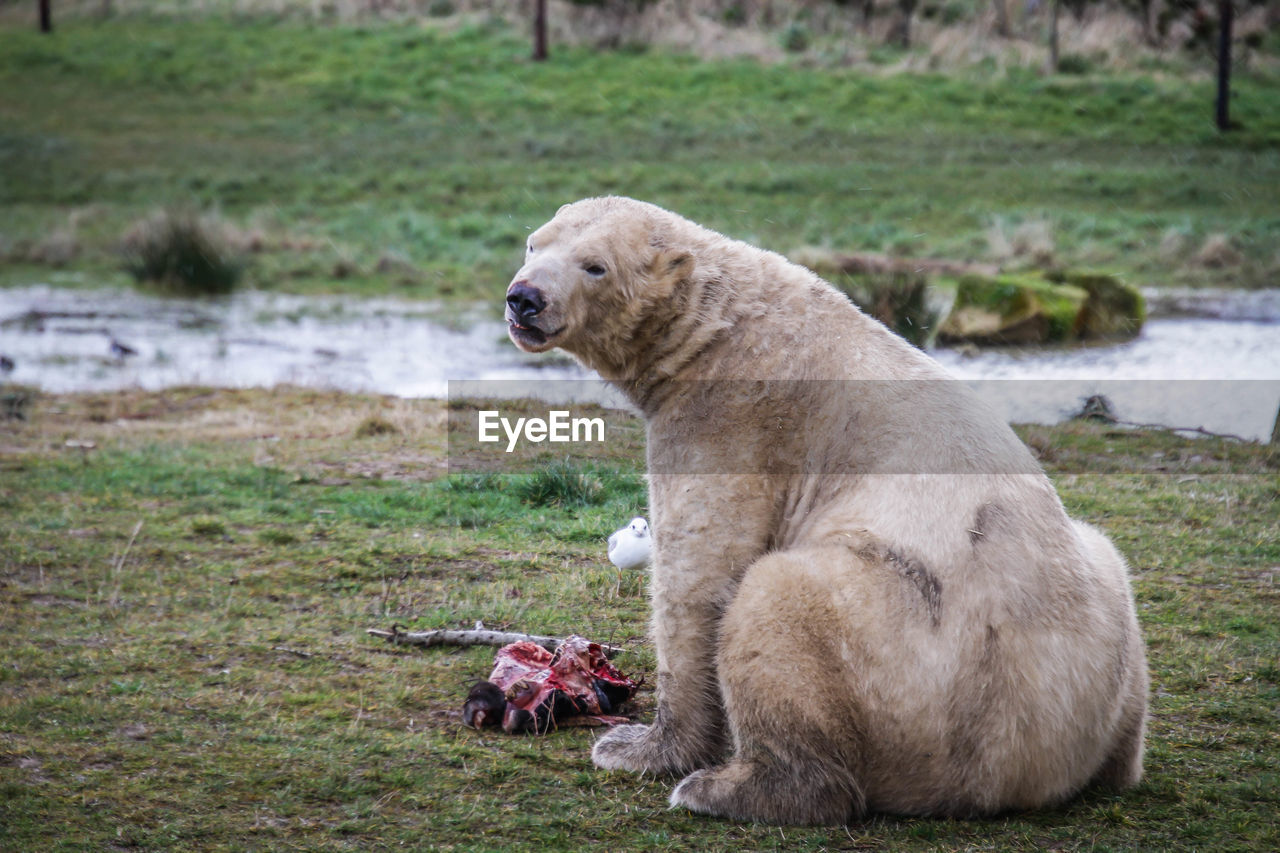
(540, 30)
(907, 8)
(1002, 19)
(1053, 38)
(46, 17)
(1226, 12)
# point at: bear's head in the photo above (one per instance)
(592, 276)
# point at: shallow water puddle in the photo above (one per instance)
(94, 340)
(1208, 360)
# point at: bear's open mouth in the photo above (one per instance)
(528, 334)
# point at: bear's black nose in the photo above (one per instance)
(526, 302)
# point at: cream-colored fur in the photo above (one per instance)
(866, 595)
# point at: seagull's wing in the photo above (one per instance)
(613, 540)
(632, 554)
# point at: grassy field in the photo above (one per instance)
(413, 158)
(186, 578)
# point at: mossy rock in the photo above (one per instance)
(1014, 309)
(1114, 309)
(899, 300)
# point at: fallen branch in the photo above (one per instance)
(1197, 430)
(1099, 408)
(473, 637)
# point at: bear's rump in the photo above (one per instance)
(930, 714)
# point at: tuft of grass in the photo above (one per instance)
(205, 526)
(375, 425)
(182, 252)
(15, 402)
(1218, 253)
(56, 249)
(1074, 63)
(561, 483)
(1027, 243)
(900, 300)
(795, 38)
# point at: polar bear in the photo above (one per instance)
(866, 594)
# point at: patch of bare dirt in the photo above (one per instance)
(293, 428)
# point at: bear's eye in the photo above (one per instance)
(594, 269)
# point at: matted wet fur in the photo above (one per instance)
(866, 594)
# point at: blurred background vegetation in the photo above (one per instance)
(407, 146)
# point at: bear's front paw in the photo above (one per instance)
(624, 748)
(640, 749)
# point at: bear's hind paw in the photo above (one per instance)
(742, 791)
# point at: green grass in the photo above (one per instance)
(414, 159)
(207, 683)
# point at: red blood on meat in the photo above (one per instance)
(561, 688)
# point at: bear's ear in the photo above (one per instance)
(670, 266)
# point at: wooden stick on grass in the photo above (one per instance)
(479, 636)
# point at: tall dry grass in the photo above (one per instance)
(184, 252)
(958, 33)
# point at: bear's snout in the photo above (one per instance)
(525, 302)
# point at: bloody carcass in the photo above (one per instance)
(534, 690)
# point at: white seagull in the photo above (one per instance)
(630, 548)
